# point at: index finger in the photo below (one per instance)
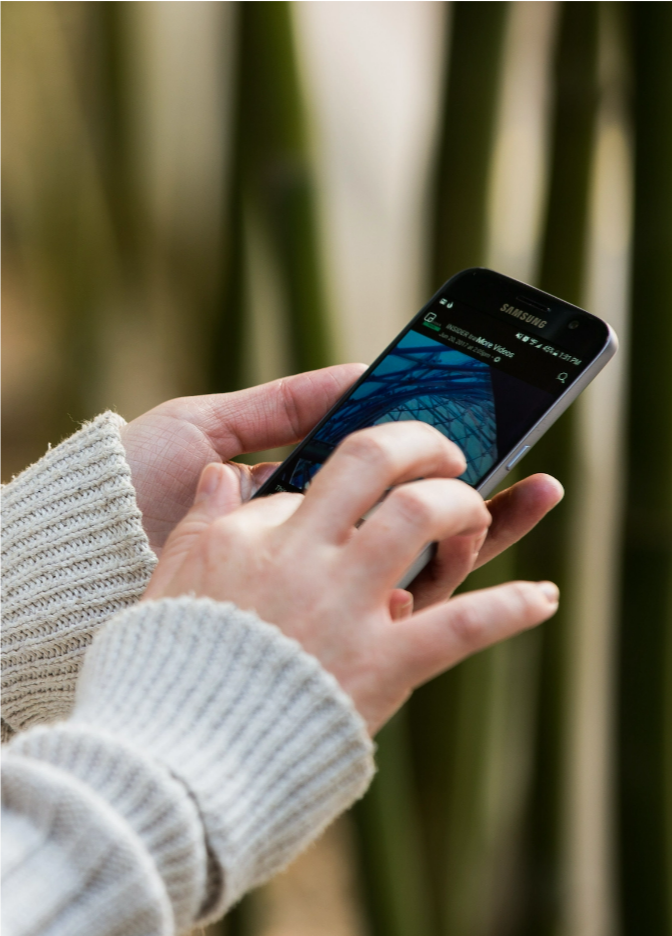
(365, 465)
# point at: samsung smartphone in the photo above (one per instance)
(490, 362)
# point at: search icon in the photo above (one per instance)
(562, 376)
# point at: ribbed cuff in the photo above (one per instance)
(74, 553)
(70, 863)
(267, 742)
(157, 807)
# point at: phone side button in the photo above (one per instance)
(516, 458)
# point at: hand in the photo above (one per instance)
(168, 447)
(302, 563)
(514, 513)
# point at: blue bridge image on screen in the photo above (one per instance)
(420, 379)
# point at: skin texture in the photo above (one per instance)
(303, 564)
(168, 448)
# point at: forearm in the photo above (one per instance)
(74, 554)
(216, 745)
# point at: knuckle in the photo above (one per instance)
(522, 597)
(221, 535)
(288, 499)
(290, 405)
(412, 503)
(468, 627)
(370, 447)
(437, 438)
(474, 502)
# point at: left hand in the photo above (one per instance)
(168, 447)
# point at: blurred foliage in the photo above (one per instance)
(546, 552)
(466, 138)
(460, 721)
(462, 831)
(271, 184)
(645, 702)
(108, 296)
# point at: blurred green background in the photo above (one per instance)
(201, 196)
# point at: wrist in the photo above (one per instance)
(267, 742)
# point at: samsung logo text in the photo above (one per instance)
(523, 316)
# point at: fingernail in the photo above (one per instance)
(478, 544)
(550, 590)
(402, 609)
(209, 482)
(560, 488)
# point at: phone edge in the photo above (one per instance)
(500, 471)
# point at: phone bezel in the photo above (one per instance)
(560, 310)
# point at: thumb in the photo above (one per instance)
(217, 494)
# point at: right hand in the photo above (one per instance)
(302, 564)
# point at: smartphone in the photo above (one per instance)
(489, 361)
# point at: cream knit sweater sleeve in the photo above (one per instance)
(73, 554)
(203, 751)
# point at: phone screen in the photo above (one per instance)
(481, 381)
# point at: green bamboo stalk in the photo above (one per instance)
(394, 875)
(271, 176)
(452, 707)
(270, 180)
(289, 191)
(62, 233)
(110, 123)
(645, 702)
(452, 717)
(473, 799)
(479, 721)
(459, 202)
(545, 552)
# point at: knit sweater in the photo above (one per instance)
(169, 755)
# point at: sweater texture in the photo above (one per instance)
(202, 750)
(73, 554)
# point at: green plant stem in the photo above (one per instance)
(271, 175)
(459, 198)
(645, 718)
(270, 179)
(544, 553)
(451, 718)
(395, 880)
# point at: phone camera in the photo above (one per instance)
(573, 324)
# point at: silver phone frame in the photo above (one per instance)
(501, 469)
